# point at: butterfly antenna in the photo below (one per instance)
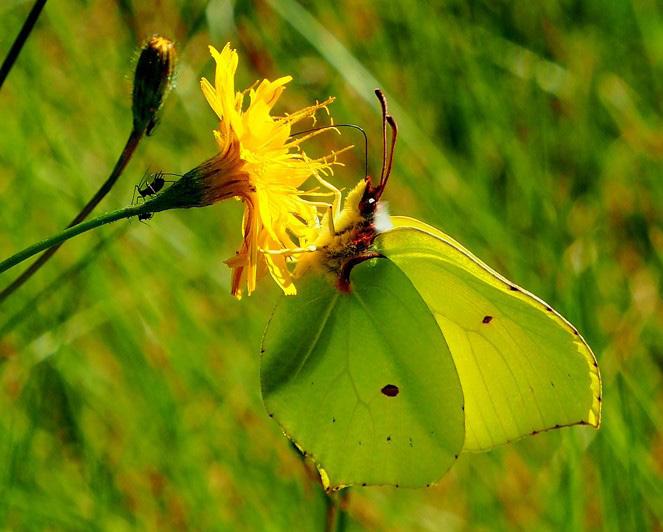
(390, 162)
(387, 152)
(383, 104)
(334, 126)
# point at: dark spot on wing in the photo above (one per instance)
(364, 484)
(552, 384)
(557, 426)
(333, 420)
(534, 432)
(599, 399)
(487, 319)
(388, 438)
(549, 309)
(596, 365)
(271, 414)
(390, 390)
(514, 288)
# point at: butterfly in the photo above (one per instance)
(402, 349)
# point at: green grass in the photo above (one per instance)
(129, 393)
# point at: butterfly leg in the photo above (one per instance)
(336, 192)
(290, 251)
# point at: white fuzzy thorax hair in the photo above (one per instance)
(382, 220)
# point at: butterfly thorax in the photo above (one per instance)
(346, 242)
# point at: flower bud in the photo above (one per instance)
(152, 81)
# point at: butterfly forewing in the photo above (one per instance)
(523, 368)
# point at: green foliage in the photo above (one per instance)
(532, 135)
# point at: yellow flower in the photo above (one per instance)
(263, 166)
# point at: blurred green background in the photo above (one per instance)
(129, 394)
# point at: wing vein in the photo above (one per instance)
(318, 334)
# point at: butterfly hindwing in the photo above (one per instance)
(364, 381)
(523, 368)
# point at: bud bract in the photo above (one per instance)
(152, 81)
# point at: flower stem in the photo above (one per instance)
(336, 518)
(71, 232)
(22, 36)
(50, 290)
(125, 156)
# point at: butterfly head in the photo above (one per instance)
(373, 192)
(346, 237)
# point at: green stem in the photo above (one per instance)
(71, 232)
(22, 36)
(50, 290)
(128, 150)
(331, 516)
(336, 518)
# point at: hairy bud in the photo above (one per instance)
(152, 81)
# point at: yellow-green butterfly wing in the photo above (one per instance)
(363, 381)
(468, 359)
(523, 368)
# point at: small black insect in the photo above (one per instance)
(149, 188)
